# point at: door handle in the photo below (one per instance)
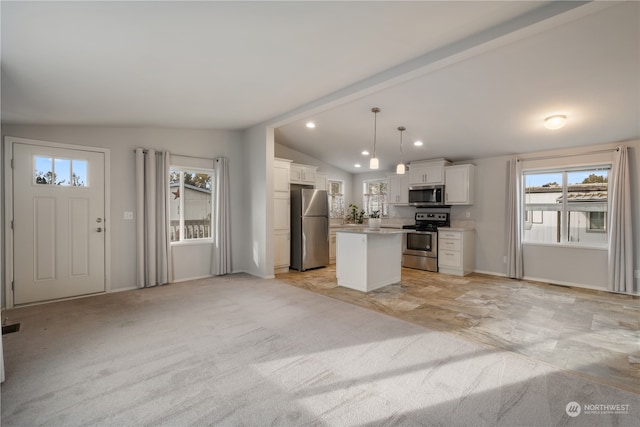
(99, 229)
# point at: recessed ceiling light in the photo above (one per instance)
(418, 143)
(365, 153)
(311, 125)
(555, 122)
(357, 165)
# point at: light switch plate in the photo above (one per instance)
(128, 216)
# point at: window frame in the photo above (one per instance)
(604, 228)
(330, 194)
(564, 212)
(385, 203)
(195, 170)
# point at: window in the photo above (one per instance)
(336, 199)
(597, 222)
(62, 172)
(190, 204)
(566, 206)
(375, 196)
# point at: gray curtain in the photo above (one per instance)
(152, 227)
(620, 225)
(514, 218)
(221, 254)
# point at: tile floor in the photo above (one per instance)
(593, 333)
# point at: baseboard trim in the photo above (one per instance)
(129, 288)
(558, 282)
(490, 273)
(192, 278)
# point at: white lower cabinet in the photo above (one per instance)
(281, 251)
(456, 251)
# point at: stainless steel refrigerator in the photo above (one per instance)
(309, 229)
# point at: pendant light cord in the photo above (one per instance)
(375, 111)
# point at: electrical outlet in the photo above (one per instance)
(468, 214)
(128, 216)
(636, 274)
(504, 259)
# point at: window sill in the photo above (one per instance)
(568, 246)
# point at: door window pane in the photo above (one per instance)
(62, 168)
(61, 172)
(79, 176)
(43, 170)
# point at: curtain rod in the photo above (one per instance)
(569, 155)
(180, 155)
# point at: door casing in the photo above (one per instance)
(9, 141)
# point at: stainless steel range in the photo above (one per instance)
(421, 247)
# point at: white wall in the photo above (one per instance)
(488, 213)
(121, 142)
(571, 266)
(258, 216)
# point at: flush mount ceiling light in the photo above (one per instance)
(365, 153)
(310, 125)
(418, 143)
(400, 168)
(373, 163)
(357, 165)
(555, 122)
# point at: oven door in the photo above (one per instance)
(422, 243)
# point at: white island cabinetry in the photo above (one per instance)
(368, 259)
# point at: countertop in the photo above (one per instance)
(394, 225)
(355, 230)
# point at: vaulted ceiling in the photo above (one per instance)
(470, 79)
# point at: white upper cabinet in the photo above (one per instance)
(303, 174)
(281, 175)
(398, 189)
(427, 172)
(459, 185)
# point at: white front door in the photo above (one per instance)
(58, 222)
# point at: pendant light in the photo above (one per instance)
(373, 163)
(400, 168)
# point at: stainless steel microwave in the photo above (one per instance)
(426, 195)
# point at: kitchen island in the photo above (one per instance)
(368, 259)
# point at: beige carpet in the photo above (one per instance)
(243, 351)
